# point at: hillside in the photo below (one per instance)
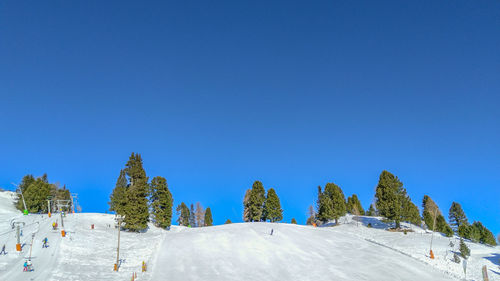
(241, 251)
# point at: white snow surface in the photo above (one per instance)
(240, 251)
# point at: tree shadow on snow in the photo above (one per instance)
(494, 258)
(374, 222)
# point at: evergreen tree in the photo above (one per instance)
(392, 201)
(161, 202)
(118, 198)
(183, 214)
(464, 250)
(136, 210)
(36, 192)
(208, 217)
(325, 207)
(228, 221)
(338, 200)
(353, 202)
(199, 214)
(246, 206)
(457, 216)
(371, 211)
(256, 201)
(479, 233)
(431, 212)
(192, 219)
(272, 207)
(293, 221)
(411, 213)
(36, 195)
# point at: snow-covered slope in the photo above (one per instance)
(243, 251)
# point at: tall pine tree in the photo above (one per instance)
(353, 202)
(161, 202)
(338, 200)
(272, 207)
(183, 214)
(208, 217)
(256, 201)
(118, 198)
(192, 218)
(136, 210)
(392, 200)
(457, 216)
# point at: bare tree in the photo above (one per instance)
(356, 214)
(199, 214)
(312, 215)
(246, 211)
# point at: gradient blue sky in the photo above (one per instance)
(217, 94)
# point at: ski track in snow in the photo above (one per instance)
(240, 251)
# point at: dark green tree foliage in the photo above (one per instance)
(118, 198)
(183, 214)
(161, 202)
(192, 220)
(429, 210)
(392, 201)
(256, 200)
(36, 191)
(331, 203)
(294, 221)
(464, 250)
(411, 213)
(228, 221)
(353, 202)
(477, 232)
(457, 216)
(371, 211)
(272, 207)
(208, 217)
(136, 209)
(325, 207)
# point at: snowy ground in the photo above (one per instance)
(244, 251)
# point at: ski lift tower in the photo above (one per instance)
(74, 202)
(119, 221)
(17, 225)
(60, 205)
(49, 210)
(25, 212)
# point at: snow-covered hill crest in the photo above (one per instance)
(240, 251)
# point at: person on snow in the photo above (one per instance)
(45, 241)
(25, 266)
(3, 250)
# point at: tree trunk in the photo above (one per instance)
(398, 225)
(336, 221)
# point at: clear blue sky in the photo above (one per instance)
(217, 94)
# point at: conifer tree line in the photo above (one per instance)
(192, 217)
(257, 206)
(37, 191)
(140, 201)
(393, 202)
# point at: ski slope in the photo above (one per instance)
(241, 251)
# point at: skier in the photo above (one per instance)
(3, 250)
(45, 241)
(25, 266)
(29, 266)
